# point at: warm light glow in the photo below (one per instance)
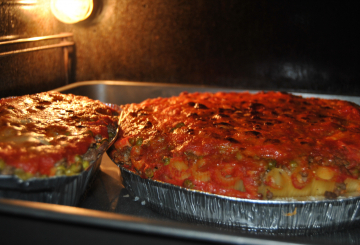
(71, 11)
(27, 2)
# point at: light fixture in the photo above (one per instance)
(71, 11)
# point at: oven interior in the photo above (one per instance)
(264, 45)
(126, 51)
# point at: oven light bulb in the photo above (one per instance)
(71, 11)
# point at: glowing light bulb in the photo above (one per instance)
(71, 11)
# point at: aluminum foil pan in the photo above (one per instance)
(291, 216)
(65, 190)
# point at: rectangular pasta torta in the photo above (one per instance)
(257, 146)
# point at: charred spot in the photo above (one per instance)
(304, 142)
(275, 113)
(253, 133)
(75, 118)
(238, 114)
(268, 124)
(148, 124)
(256, 106)
(322, 116)
(44, 102)
(288, 116)
(223, 110)
(272, 141)
(40, 107)
(200, 106)
(232, 140)
(257, 127)
(103, 111)
(224, 125)
(80, 126)
(190, 131)
(256, 117)
(192, 115)
(141, 112)
(192, 104)
(133, 114)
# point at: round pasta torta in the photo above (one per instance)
(53, 134)
(259, 146)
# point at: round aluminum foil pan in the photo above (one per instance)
(65, 190)
(290, 216)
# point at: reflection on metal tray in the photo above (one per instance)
(107, 206)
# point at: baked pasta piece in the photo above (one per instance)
(258, 146)
(53, 134)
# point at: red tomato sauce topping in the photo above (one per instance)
(37, 131)
(224, 143)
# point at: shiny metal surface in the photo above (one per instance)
(123, 92)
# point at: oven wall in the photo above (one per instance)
(280, 45)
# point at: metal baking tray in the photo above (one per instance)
(107, 207)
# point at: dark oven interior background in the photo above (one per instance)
(268, 45)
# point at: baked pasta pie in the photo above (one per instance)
(259, 146)
(53, 134)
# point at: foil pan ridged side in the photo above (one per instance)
(65, 190)
(273, 216)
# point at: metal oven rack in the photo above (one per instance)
(63, 43)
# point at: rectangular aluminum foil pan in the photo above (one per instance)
(65, 190)
(272, 216)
